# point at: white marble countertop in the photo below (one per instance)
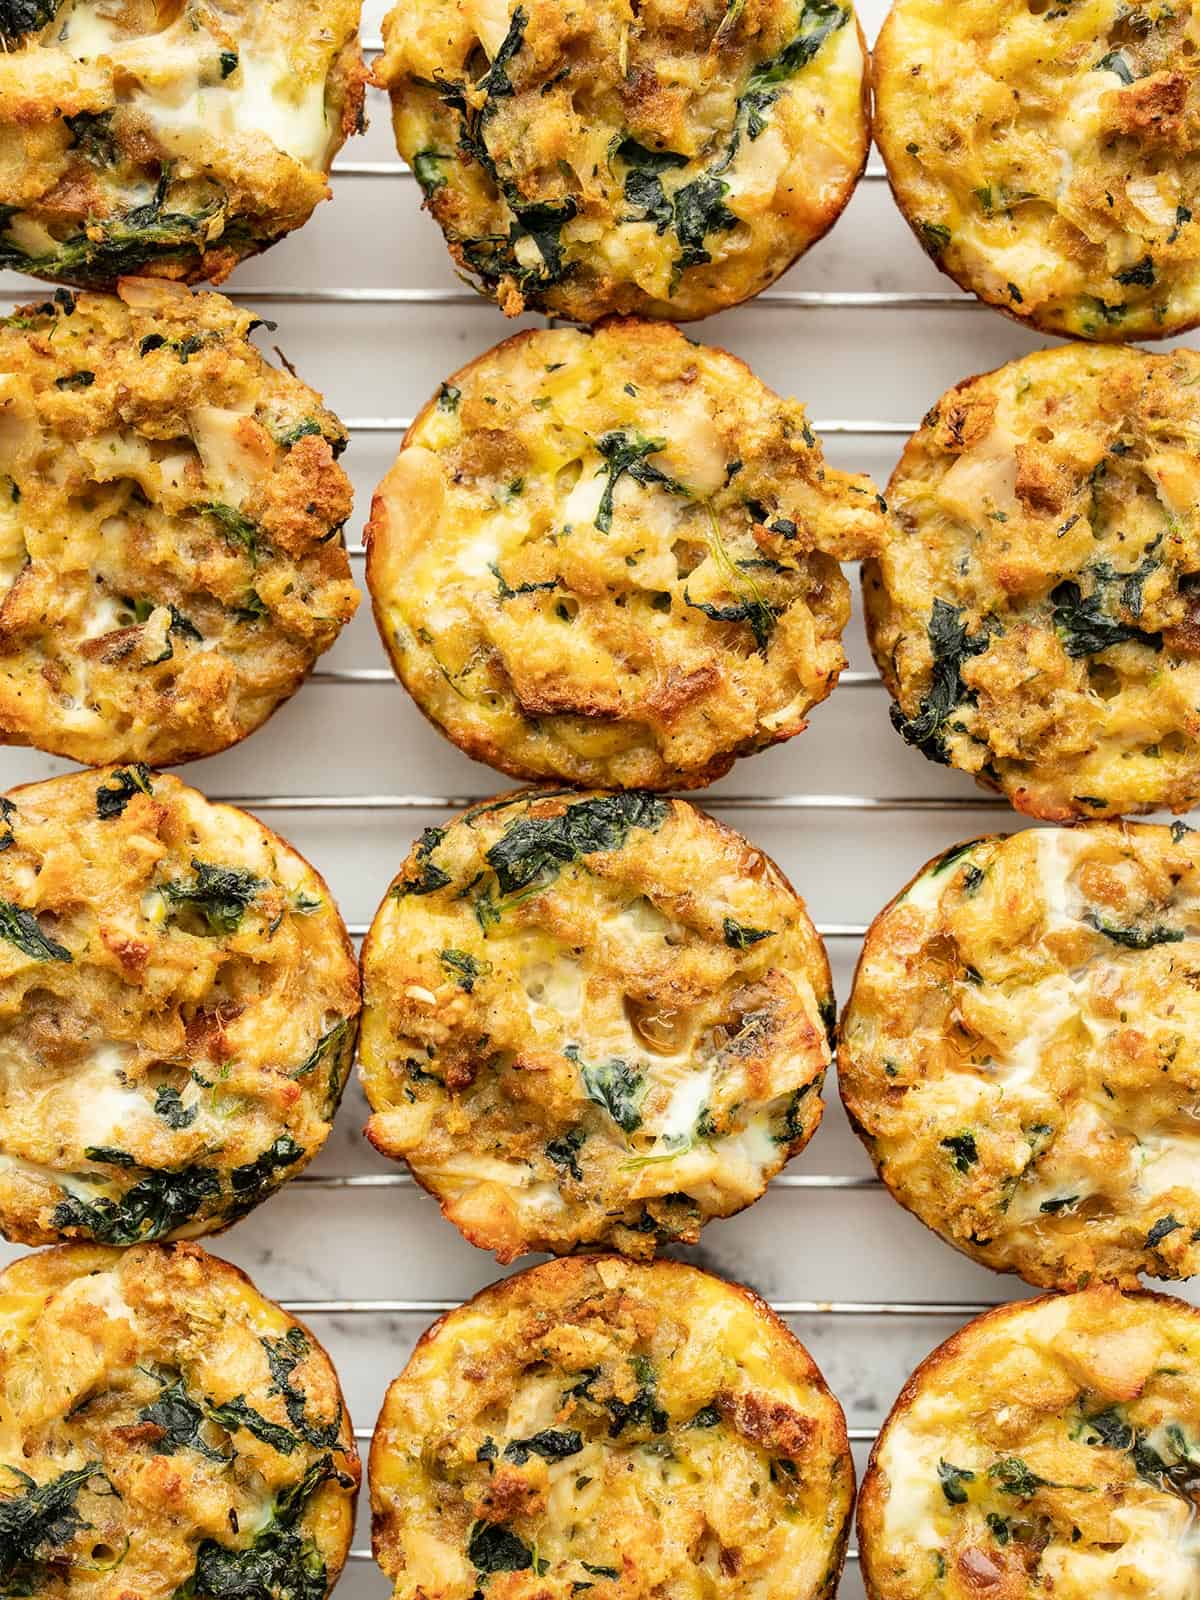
(808, 1244)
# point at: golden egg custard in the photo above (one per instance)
(1021, 1051)
(178, 1004)
(171, 554)
(1036, 613)
(1047, 156)
(639, 1430)
(167, 137)
(165, 1433)
(665, 159)
(592, 1018)
(1047, 1448)
(612, 559)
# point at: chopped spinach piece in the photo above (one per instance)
(623, 454)
(644, 159)
(951, 647)
(429, 877)
(228, 61)
(258, 1178)
(999, 1527)
(119, 788)
(1134, 938)
(600, 1572)
(466, 968)
(739, 937)
(448, 397)
(756, 612)
(8, 811)
(494, 1548)
(181, 1418)
(157, 1204)
(698, 209)
(706, 1417)
(306, 428)
(643, 1410)
(327, 1043)
(92, 136)
(552, 1444)
(239, 530)
(76, 380)
(534, 849)
(614, 1085)
(952, 1480)
(222, 895)
(427, 169)
(934, 237)
(20, 927)
(1110, 1430)
(507, 592)
(1051, 1208)
(1164, 1226)
(236, 1413)
(1115, 61)
(1013, 1476)
(25, 16)
(37, 1522)
(952, 857)
(284, 1355)
(1085, 627)
(170, 1107)
(963, 1149)
(819, 19)
(564, 1152)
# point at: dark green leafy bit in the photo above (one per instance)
(494, 1548)
(238, 529)
(819, 20)
(8, 811)
(1161, 1229)
(951, 647)
(279, 1564)
(1140, 274)
(1085, 627)
(284, 1355)
(706, 1417)
(999, 1526)
(739, 937)
(1116, 61)
(466, 968)
(325, 1045)
(535, 849)
(182, 1420)
(258, 1178)
(552, 1444)
(25, 16)
(963, 1150)
(429, 877)
(643, 1411)
(20, 927)
(169, 1106)
(952, 857)
(934, 237)
(1014, 1477)
(119, 788)
(222, 895)
(1135, 938)
(427, 169)
(952, 1480)
(1063, 1202)
(76, 380)
(157, 1204)
(236, 1413)
(626, 454)
(36, 1523)
(448, 397)
(306, 428)
(757, 613)
(507, 592)
(228, 63)
(613, 1084)
(1174, 1467)
(564, 1152)
(600, 1572)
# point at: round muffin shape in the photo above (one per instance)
(638, 1429)
(1047, 1447)
(612, 559)
(592, 1018)
(171, 559)
(165, 1430)
(1036, 613)
(1047, 156)
(664, 160)
(178, 1005)
(168, 139)
(1021, 1051)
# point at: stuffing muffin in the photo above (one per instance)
(1021, 1051)
(590, 1019)
(178, 1004)
(593, 1423)
(611, 559)
(1049, 1447)
(664, 159)
(1047, 156)
(171, 139)
(165, 1431)
(1036, 613)
(171, 555)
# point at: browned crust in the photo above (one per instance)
(569, 1272)
(474, 1235)
(870, 1495)
(1028, 319)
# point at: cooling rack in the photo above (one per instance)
(868, 335)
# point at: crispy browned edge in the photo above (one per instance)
(599, 1245)
(570, 1269)
(871, 1492)
(49, 1236)
(1020, 799)
(217, 1268)
(541, 305)
(378, 531)
(876, 934)
(1027, 319)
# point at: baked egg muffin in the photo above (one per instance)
(178, 1004)
(594, 1423)
(611, 559)
(165, 1431)
(171, 554)
(665, 159)
(1047, 155)
(1021, 1051)
(1048, 1447)
(1036, 612)
(592, 1019)
(172, 139)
